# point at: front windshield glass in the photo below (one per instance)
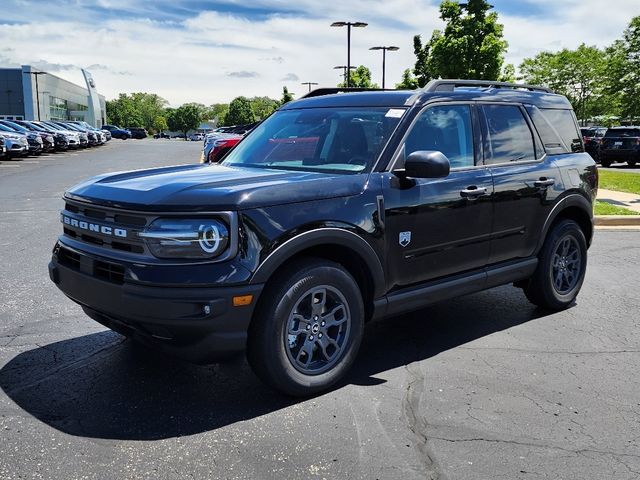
(335, 140)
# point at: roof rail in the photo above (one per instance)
(450, 85)
(318, 92)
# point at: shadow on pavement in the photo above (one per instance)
(102, 386)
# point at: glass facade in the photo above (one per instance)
(60, 109)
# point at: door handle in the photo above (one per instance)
(544, 182)
(473, 192)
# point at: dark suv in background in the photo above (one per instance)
(338, 209)
(620, 144)
(138, 132)
(592, 138)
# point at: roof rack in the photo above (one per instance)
(450, 85)
(318, 92)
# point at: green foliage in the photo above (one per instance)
(409, 82)
(286, 96)
(160, 123)
(578, 74)
(471, 45)
(184, 118)
(622, 72)
(217, 112)
(240, 112)
(359, 78)
(136, 110)
(508, 73)
(263, 106)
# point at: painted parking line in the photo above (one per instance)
(8, 166)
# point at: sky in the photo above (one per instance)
(211, 51)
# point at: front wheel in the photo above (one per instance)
(562, 264)
(307, 331)
(631, 163)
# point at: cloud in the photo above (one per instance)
(132, 47)
(243, 74)
(290, 77)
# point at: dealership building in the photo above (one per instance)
(30, 94)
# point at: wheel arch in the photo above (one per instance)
(573, 207)
(334, 244)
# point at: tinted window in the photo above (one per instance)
(565, 124)
(446, 129)
(509, 138)
(623, 132)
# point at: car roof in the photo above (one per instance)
(437, 90)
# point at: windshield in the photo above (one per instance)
(335, 140)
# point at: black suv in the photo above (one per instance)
(620, 144)
(336, 210)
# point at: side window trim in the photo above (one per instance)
(398, 155)
(485, 135)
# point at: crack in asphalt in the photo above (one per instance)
(416, 424)
(65, 367)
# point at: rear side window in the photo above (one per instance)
(509, 138)
(445, 129)
(558, 130)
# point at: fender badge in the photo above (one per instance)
(405, 239)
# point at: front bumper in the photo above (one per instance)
(199, 324)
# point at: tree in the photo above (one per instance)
(359, 78)
(160, 123)
(286, 96)
(622, 72)
(508, 73)
(217, 112)
(409, 82)
(263, 106)
(577, 74)
(139, 109)
(123, 112)
(471, 46)
(184, 118)
(240, 112)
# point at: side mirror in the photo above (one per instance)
(426, 164)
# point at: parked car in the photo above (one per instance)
(161, 135)
(16, 144)
(592, 138)
(620, 144)
(338, 210)
(138, 133)
(218, 146)
(77, 139)
(3, 148)
(92, 138)
(72, 137)
(117, 132)
(196, 137)
(17, 141)
(101, 137)
(60, 141)
(38, 142)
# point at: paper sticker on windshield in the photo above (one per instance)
(395, 113)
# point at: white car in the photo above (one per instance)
(196, 137)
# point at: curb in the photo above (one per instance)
(617, 220)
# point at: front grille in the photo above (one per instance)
(104, 227)
(110, 272)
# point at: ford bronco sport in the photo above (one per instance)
(338, 209)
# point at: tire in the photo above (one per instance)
(631, 163)
(606, 163)
(298, 299)
(564, 246)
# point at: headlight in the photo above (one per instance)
(187, 238)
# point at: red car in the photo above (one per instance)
(221, 146)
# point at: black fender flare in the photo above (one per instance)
(324, 236)
(570, 200)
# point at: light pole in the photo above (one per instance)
(349, 25)
(384, 57)
(309, 83)
(37, 74)
(344, 71)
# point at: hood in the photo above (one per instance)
(213, 187)
(13, 136)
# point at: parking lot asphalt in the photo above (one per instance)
(482, 387)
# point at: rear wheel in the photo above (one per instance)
(606, 163)
(561, 268)
(631, 163)
(307, 331)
